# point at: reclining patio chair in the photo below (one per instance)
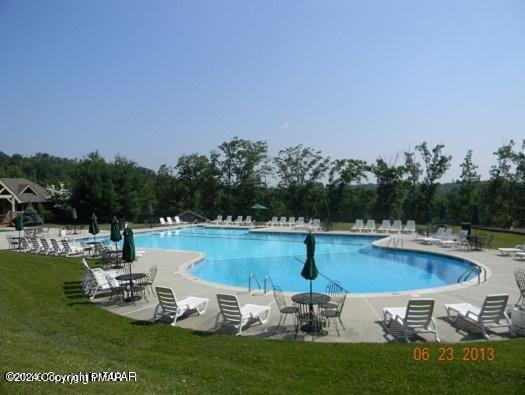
(231, 314)
(519, 275)
(218, 220)
(299, 224)
(396, 227)
(273, 222)
(172, 308)
(410, 227)
(385, 226)
(249, 221)
(370, 226)
(490, 315)
(415, 318)
(162, 221)
(358, 226)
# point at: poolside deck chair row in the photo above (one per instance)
(231, 314)
(385, 227)
(292, 223)
(238, 222)
(176, 221)
(45, 246)
(416, 317)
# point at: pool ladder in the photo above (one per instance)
(466, 274)
(254, 284)
(396, 242)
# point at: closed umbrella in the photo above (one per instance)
(128, 249)
(115, 235)
(309, 271)
(19, 225)
(93, 226)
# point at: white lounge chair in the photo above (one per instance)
(299, 223)
(170, 222)
(249, 221)
(396, 227)
(239, 220)
(491, 315)
(358, 226)
(410, 227)
(370, 226)
(434, 238)
(238, 317)
(273, 222)
(520, 248)
(162, 221)
(170, 307)
(218, 220)
(282, 221)
(68, 249)
(385, 226)
(456, 241)
(315, 225)
(291, 221)
(228, 220)
(415, 318)
(178, 221)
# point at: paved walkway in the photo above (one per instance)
(362, 315)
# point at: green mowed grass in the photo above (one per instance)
(46, 324)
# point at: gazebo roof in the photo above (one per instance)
(24, 191)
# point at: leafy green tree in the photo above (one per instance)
(93, 189)
(389, 192)
(244, 166)
(343, 200)
(436, 165)
(298, 169)
(412, 196)
(461, 200)
(166, 191)
(500, 193)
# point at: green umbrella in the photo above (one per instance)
(257, 207)
(19, 225)
(93, 226)
(128, 250)
(309, 271)
(115, 231)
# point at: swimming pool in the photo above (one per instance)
(232, 254)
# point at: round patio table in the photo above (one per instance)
(312, 299)
(131, 277)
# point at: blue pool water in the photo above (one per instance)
(232, 254)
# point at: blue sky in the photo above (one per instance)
(356, 79)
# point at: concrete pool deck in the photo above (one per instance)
(362, 315)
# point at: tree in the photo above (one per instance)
(343, 201)
(93, 189)
(389, 190)
(500, 193)
(298, 169)
(244, 165)
(166, 190)
(413, 173)
(462, 200)
(436, 165)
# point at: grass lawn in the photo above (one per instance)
(46, 324)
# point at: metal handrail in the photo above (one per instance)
(464, 276)
(250, 278)
(267, 279)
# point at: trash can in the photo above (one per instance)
(466, 226)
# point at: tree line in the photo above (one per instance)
(298, 181)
